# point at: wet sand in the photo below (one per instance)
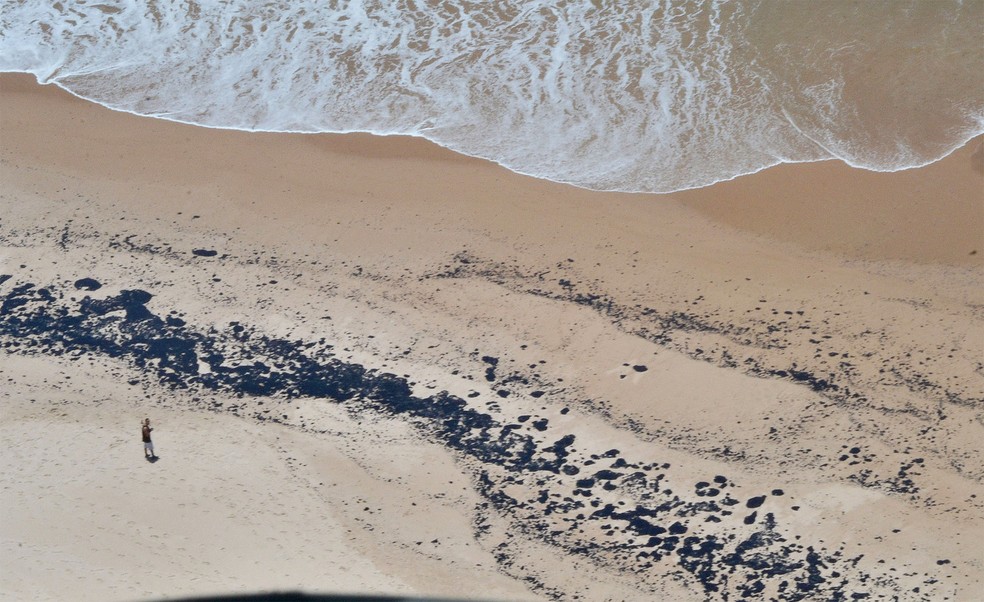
(377, 366)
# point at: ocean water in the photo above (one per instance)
(629, 95)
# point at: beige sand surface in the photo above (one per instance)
(778, 330)
(933, 214)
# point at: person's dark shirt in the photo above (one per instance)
(146, 433)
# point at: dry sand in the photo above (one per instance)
(810, 335)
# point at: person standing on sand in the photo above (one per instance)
(148, 444)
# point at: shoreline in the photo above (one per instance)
(857, 210)
(445, 369)
(975, 140)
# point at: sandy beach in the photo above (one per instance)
(376, 366)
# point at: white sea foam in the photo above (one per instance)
(638, 96)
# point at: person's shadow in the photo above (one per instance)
(152, 459)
